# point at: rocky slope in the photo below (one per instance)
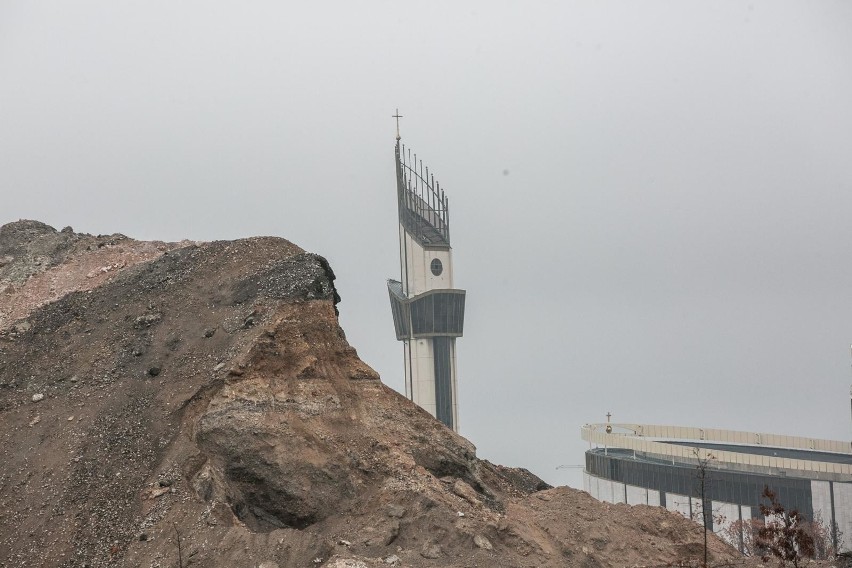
(198, 405)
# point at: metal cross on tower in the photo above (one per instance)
(397, 116)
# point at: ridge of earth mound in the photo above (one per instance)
(197, 404)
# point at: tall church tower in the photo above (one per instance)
(428, 313)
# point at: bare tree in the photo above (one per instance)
(180, 552)
(785, 534)
(702, 488)
(827, 538)
(743, 534)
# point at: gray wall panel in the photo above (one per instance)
(443, 380)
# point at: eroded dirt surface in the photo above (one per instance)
(206, 393)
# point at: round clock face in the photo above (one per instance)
(436, 267)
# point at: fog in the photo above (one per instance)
(649, 201)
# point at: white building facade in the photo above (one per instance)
(644, 464)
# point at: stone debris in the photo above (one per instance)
(465, 491)
(345, 563)
(430, 550)
(395, 511)
(38, 397)
(147, 320)
(105, 269)
(155, 492)
(482, 542)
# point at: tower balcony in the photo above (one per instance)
(435, 313)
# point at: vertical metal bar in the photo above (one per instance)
(428, 190)
(448, 224)
(444, 215)
(432, 192)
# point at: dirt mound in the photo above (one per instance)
(39, 264)
(199, 406)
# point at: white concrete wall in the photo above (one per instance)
(654, 497)
(418, 276)
(423, 376)
(406, 360)
(587, 484)
(678, 503)
(843, 513)
(637, 495)
(605, 490)
(697, 507)
(454, 384)
(724, 515)
(403, 248)
(595, 489)
(821, 500)
(617, 492)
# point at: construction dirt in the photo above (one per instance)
(197, 404)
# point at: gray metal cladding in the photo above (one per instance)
(438, 313)
(729, 486)
(400, 309)
(443, 380)
(431, 314)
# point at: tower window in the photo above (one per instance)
(436, 267)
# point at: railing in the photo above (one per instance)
(423, 206)
(640, 438)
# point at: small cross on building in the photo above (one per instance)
(397, 116)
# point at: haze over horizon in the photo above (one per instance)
(649, 202)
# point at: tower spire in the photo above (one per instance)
(397, 116)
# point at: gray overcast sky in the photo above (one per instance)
(650, 201)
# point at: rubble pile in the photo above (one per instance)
(197, 404)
